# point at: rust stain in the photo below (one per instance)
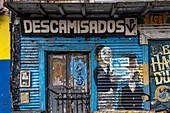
(87, 38)
(104, 37)
(59, 44)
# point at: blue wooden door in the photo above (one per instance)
(159, 73)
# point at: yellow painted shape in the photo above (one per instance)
(145, 98)
(163, 89)
(97, 112)
(156, 18)
(140, 70)
(4, 38)
(146, 73)
(146, 19)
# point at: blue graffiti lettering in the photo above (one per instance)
(79, 71)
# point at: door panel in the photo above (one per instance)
(58, 71)
(159, 73)
(78, 68)
(57, 82)
(68, 90)
(79, 73)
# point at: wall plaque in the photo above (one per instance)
(25, 97)
(25, 78)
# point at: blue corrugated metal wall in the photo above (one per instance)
(32, 51)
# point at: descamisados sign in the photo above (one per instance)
(127, 27)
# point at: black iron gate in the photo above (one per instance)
(68, 85)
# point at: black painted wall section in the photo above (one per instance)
(15, 65)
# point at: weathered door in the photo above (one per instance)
(159, 73)
(68, 87)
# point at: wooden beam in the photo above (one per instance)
(61, 10)
(83, 9)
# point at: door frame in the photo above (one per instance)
(43, 69)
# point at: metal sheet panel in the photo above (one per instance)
(5, 99)
(4, 38)
(122, 55)
(159, 73)
(91, 10)
(120, 75)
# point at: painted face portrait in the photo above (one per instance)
(105, 54)
(132, 63)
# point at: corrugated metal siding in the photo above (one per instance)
(29, 61)
(120, 47)
(110, 87)
(5, 98)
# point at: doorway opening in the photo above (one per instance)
(67, 83)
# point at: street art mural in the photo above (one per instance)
(78, 68)
(160, 79)
(119, 80)
(58, 70)
(67, 83)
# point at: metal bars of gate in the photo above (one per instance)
(77, 99)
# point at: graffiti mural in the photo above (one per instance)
(160, 66)
(78, 68)
(119, 80)
(161, 93)
(160, 79)
(58, 71)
